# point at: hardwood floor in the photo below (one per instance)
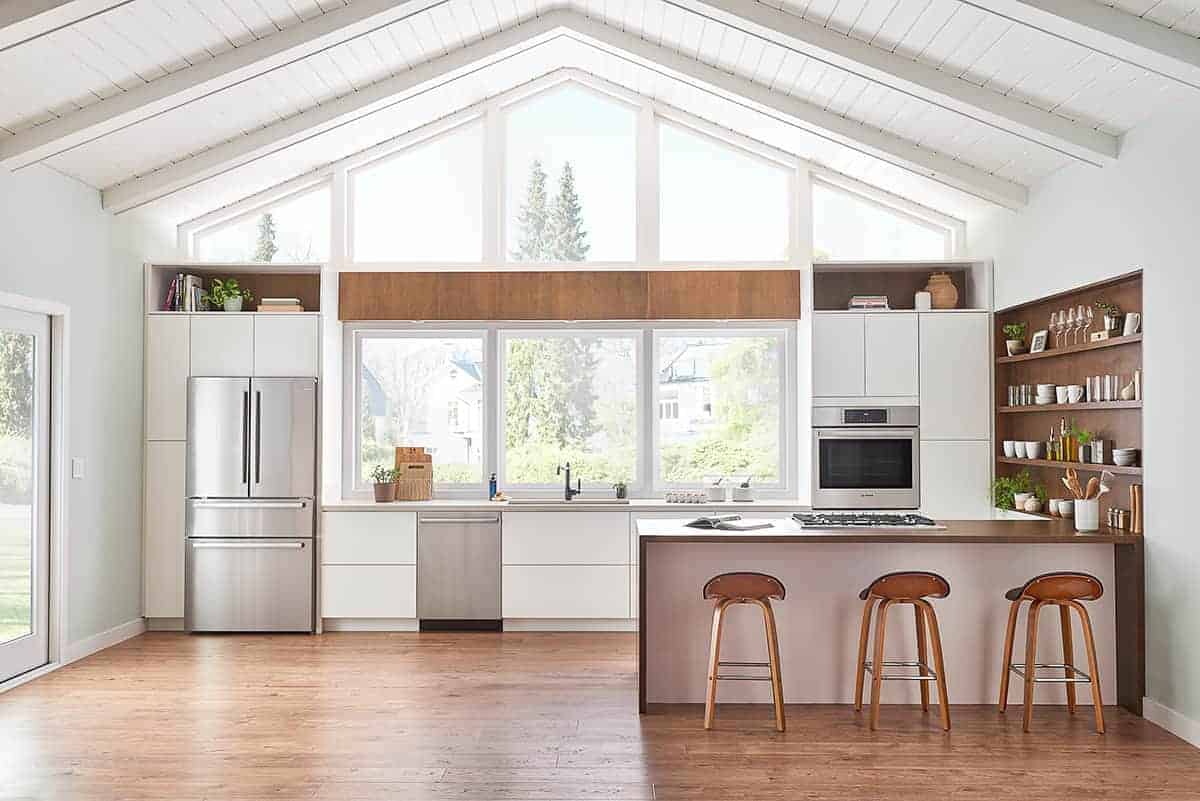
(515, 716)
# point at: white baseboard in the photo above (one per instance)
(105, 639)
(569, 624)
(1177, 723)
(371, 624)
(164, 624)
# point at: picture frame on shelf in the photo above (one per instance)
(1038, 343)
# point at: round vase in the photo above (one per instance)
(942, 291)
(233, 304)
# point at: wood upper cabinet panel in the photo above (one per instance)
(571, 295)
(724, 295)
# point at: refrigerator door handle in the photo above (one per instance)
(246, 437)
(238, 546)
(258, 437)
(250, 505)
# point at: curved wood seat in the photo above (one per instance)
(906, 585)
(744, 587)
(1058, 586)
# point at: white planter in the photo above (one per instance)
(1087, 515)
(716, 493)
(233, 304)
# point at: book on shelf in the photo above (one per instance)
(729, 523)
(280, 305)
(867, 302)
(185, 293)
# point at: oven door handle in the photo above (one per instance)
(867, 433)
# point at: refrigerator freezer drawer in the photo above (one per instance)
(214, 517)
(249, 585)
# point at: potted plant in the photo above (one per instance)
(1014, 338)
(1005, 490)
(1113, 318)
(742, 491)
(385, 479)
(227, 294)
(1084, 438)
(622, 490)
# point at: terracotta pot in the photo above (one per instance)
(942, 290)
(385, 493)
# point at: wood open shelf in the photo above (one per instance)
(1082, 467)
(1071, 407)
(1067, 350)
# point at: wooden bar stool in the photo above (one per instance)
(1064, 590)
(728, 589)
(883, 593)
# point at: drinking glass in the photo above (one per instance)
(1087, 329)
(1071, 321)
(1080, 321)
(1053, 326)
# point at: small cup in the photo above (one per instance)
(1010, 449)
(1019, 499)
(1053, 507)
(1060, 394)
(1066, 507)
(716, 493)
(1033, 449)
(1019, 449)
(1074, 393)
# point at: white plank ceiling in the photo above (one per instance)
(73, 68)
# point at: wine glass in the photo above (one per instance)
(1071, 320)
(1087, 329)
(1052, 326)
(1056, 325)
(1080, 321)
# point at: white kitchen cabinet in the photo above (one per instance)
(839, 355)
(222, 344)
(163, 529)
(285, 345)
(565, 538)
(167, 366)
(955, 368)
(369, 591)
(955, 479)
(565, 591)
(891, 355)
(379, 538)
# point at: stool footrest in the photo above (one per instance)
(745, 664)
(743, 678)
(924, 672)
(1077, 677)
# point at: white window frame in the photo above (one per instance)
(253, 206)
(952, 230)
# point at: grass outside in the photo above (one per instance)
(14, 572)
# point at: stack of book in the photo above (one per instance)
(868, 302)
(185, 293)
(280, 305)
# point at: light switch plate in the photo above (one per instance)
(76, 467)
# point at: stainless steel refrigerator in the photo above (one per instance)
(251, 483)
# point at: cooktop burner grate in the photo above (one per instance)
(861, 520)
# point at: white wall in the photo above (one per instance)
(1086, 224)
(57, 244)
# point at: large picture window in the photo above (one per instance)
(847, 226)
(293, 229)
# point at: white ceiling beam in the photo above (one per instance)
(192, 83)
(1115, 33)
(24, 20)
(335, 113)
(911, 77)
(795, 112)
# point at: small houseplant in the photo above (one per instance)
(385, 479)
(1006, 488)
(1113, 317)
(1014, 338)
(1084, 438)
(227, 294)
(622, 490)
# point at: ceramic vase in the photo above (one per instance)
(942, 291)
(233, 304)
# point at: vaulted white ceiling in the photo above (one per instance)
(190, 104)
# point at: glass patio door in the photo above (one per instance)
(24, 491)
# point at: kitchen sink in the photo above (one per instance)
(561, 502)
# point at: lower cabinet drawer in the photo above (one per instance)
(566, 591)
(369, 537)
(369, 591)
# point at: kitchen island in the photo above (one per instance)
(824, 570)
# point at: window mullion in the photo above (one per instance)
(493, 185)
(647, 184)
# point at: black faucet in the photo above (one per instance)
(569, 493)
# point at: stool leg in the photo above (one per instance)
(939, 664)
(1093, 665)
(1005, 669)
(773, 656)
(714, 657)
(877, 667)
(1064, 621)
(922, 657)
(864, 635)
(1031, 659)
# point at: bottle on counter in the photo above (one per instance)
(492, 488)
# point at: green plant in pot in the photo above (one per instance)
(1084, 438)
(227, 294)
(622, 490)
(385, 479)
(1006, 488)
(1114, 318)
(1014, 338)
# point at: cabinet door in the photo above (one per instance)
(955, 478)
(369, 538)
(285, 346)
(956, 386)
(167, 358)
(163, 538)
(891, 353)
(566, 538)
(369, 591)
(222, 345)
(566, 591)
(839, 361)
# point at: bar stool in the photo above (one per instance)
(728, 589)
(912, 587)
(1065, 590)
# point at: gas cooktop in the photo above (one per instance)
(862, 520)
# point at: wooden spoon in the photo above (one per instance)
(1093, 488)
(1073, 476)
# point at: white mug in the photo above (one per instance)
(1019, 449)
(1074, 393)
(1133, 321)
(1060, 394)
(1010, 449)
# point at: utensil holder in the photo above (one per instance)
(1087, 515)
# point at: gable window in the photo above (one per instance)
(295, 228)
(848, 226)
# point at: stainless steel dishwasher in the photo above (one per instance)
(458, 571)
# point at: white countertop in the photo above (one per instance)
(635, 505)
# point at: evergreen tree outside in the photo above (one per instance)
(566, 220)
(534, 218)
(266, 248)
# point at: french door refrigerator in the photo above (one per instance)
(251, 483)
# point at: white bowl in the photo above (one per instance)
(1034, 448)
(1046, 387)
(1019, 449)
(1010, 449)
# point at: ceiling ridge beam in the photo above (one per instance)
(1107, 30)
(798, 113)
(911, 77)
(193, 83)
(23, 21)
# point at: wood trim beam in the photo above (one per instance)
(912, 77)
(187, 85)
(23, 21)
(1110, 31)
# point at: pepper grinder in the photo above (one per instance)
(1135, 509)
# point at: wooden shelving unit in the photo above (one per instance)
(1118, 423)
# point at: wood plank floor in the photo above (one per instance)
(514, 716)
